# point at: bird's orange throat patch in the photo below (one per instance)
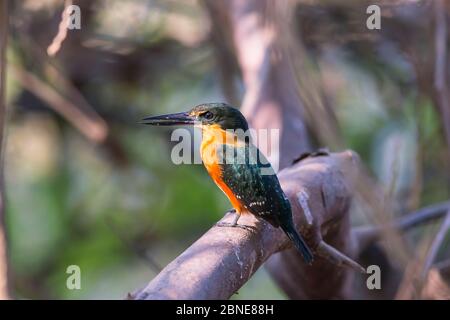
(213, 136)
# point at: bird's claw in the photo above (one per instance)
(231, 211)
(233, 225)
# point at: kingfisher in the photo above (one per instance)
(237, 167)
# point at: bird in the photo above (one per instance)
(237, 167)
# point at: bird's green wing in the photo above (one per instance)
(251, 178)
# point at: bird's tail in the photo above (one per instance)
(299, 243)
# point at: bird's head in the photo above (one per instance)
(208, 114)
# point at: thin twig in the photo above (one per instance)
(93, 127)
(366, 235)
(437, 242)
(335, 256)
(440, 67)
(55, 46)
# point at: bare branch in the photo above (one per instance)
(326, 251)
(436, 244)
(54, 47)
(442, 96)
(271, 100)
(91, 125)
(366, 235)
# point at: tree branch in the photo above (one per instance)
(59, 38)
(435, 245)
(442, 96)
(366, 235)
(90, 124)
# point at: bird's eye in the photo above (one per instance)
(208, 115)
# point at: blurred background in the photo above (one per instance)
(86, 185)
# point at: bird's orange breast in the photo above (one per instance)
(214, 137)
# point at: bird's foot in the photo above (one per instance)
(233, 225)
(231, 211)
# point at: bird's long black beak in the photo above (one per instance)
(181, 118)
